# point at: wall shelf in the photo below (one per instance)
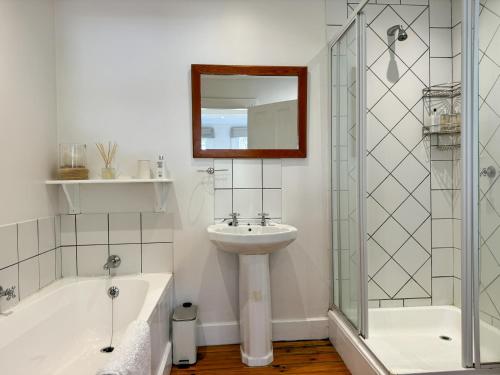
(71, 189)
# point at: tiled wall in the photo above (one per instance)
(398, 161)
(30, 257)
(247, 186)
(489, 138)
(412, 187)
(35, 253)
(144, 242)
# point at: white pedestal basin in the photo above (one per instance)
(254, 243)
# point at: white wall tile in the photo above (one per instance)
(457, 263)
(223, 201)
(271, 172)
(92, 229)
(442, 204)
(440, 42)
(440, 13)
(157, 257)
(456, 36)
(29, 277)
(442, 233)
(8, 245)
(442, 262)
(391, 303)
(46, 234)
(58, 263)
(457, 68)
(124, 228)
(47, 268)
(9, 278)
(157, 227)
(441, 70)
(57, 226)
(272, 202)
(442, 175)
(247, 173)
(68, 255)
(68, 230)
(417, 302)
(130, 255)
(91, 260)
(442, 291)
(457, 292)
(336, 12)
(27, 239)
(456, 11)
(247, 202)
(223, 179)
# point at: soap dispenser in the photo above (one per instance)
(160, 170)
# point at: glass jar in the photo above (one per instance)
(72, 155)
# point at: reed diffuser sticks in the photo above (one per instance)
(107, 154)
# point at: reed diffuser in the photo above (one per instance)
(108, 155)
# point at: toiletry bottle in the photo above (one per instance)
(435, 120)
(160, 167)
(444, 120)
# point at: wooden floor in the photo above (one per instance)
(297, 357)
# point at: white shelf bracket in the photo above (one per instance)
(72, 193)
(161, 196)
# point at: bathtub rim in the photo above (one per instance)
(158, 284)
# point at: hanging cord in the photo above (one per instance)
(112, 323)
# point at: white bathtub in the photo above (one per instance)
(61, 329)
(408, 340)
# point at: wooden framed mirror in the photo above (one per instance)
(249, 111)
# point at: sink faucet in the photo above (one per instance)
(113, 261)
(234, 218)
(9, 292)
(263, 218)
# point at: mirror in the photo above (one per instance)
(241, 111)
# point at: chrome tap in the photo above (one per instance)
(263, 218)
(9, 292)
(113, 261)
(234, 219)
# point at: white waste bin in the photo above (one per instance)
(184, 334)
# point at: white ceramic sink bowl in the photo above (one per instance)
(251, 239)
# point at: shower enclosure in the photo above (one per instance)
(415, 150)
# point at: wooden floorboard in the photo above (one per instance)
(290, 357)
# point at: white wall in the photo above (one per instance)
(27, 109)
(123, 74)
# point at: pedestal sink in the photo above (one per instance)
(253, 244)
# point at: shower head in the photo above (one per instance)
(402, 35)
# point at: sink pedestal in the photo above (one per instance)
(255, 310)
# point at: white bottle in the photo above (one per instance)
(435, 120)
(160, 170)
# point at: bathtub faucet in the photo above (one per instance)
(9, 292)
(113, 261)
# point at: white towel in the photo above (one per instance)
(133, 355)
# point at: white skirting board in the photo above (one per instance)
(283, 330)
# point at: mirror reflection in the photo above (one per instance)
(241, 112)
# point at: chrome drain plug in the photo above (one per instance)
(107, 349)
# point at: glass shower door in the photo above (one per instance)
(489, 183)
(345, 175)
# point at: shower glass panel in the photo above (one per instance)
(489, 186)
(345, 174)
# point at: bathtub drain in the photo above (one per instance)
(107, 349)
(445, 338)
